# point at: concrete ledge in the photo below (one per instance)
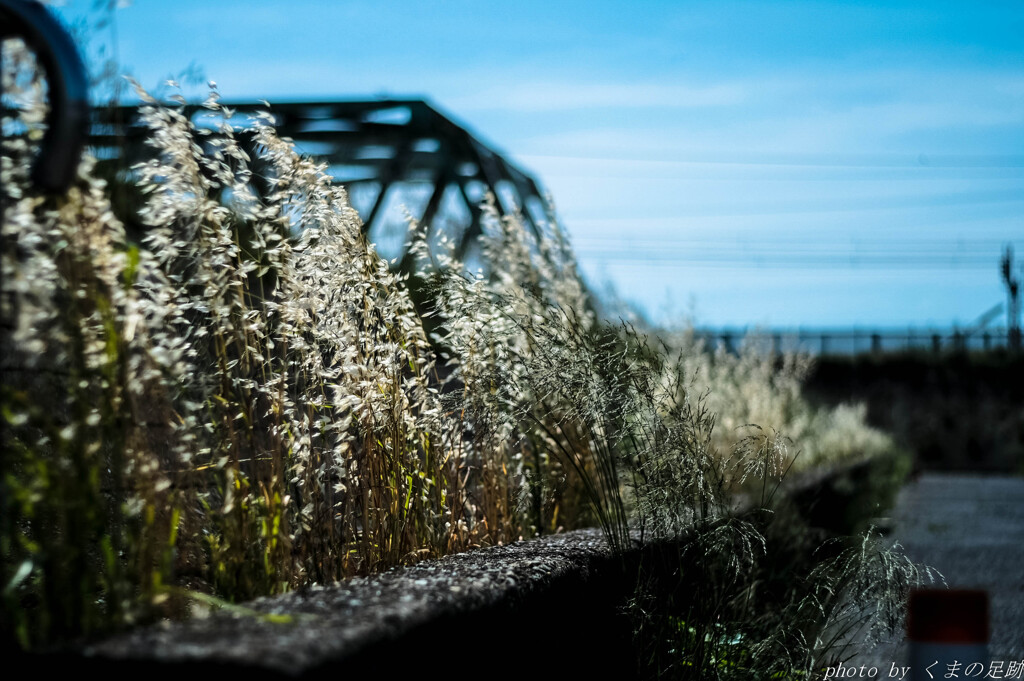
(492, 610)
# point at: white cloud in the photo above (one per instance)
(887, 112)
(551, 96)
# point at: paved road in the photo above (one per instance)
(970, 528)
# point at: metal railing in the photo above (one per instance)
(853, 341)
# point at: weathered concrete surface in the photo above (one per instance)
(496, 607)
(971, 529)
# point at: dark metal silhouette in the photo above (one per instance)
(68, 123)
(1012, 298)
(386, 153)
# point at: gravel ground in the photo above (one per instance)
(971, 529)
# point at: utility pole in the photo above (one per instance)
(1013, 299)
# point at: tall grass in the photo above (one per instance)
(756, 385)
(248, 393)
(89, 517)
(519, 335)
(247, 401)
(628, 419)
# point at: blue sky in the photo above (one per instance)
(746, 163)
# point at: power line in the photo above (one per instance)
(810, 160)
(709, 253)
